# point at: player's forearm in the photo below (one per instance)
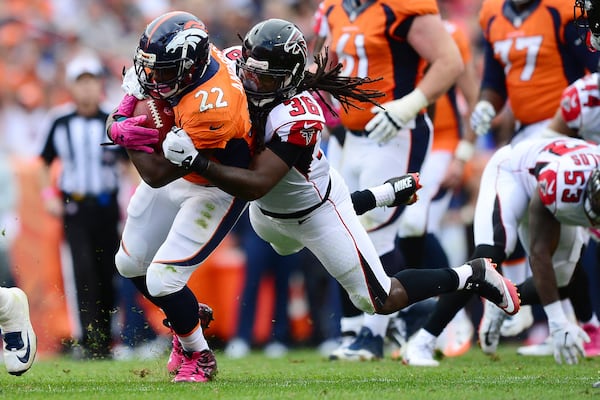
(441, 76)
(154, 169)
(239, 182)
(544, 233)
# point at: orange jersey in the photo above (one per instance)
(215, 115)
(371, 41)
(447, 119)
(538, 62)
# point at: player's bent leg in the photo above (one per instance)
(19, 344)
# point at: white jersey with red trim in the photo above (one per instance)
(561, 167)
(299, 121)
(580, 107)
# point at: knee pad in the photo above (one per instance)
(128, 266)
(163, 280)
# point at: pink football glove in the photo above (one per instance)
(126, 106)
(129, 132)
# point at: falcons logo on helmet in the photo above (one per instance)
(295, 44)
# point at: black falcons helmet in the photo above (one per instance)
(173, 52)
(273, 61)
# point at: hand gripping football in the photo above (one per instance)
(160, 117)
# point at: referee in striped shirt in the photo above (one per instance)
(85, 196)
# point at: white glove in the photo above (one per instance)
(482, 116)
(179, 148)
(131, 85)
(567, 338)
(395, 116)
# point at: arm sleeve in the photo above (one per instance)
(493, 73)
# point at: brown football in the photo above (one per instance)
(160, 116)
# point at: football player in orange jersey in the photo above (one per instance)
(176, 219)
(532, 52)
(453, 146)
(388, 39)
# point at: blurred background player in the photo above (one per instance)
(397, 138)
(453, 146)
(19, 343)
(532, 53)
(537, 200)
(262, 262)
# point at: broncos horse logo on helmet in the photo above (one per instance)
(173, 53)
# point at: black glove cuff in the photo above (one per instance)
(198, 164)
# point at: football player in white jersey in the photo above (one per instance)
(577, 116)
(297, 199)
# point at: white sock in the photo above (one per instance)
(195, 341)
(464, 272)
(377, 323)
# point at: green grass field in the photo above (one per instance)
(304, 374)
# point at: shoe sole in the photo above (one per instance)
(427, 363)
(360, 355)
(514, 304)
(513, 298)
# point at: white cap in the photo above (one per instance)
(83, 64)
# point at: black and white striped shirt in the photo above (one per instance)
(87, 167)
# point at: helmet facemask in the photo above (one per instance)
(263, 85)
(591, 200)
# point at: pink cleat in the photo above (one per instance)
(198, 366)
(177, 357)
(592, 349)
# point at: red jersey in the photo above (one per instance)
(370, 41)
(215, 115)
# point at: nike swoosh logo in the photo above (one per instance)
(488, 342)
(309, 125)
(178, 151)
(25, 358)
(215, 128)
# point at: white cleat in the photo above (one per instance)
(546, 348)
(517, 323)
(19, 343)
(419, 350)
(489, 327)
